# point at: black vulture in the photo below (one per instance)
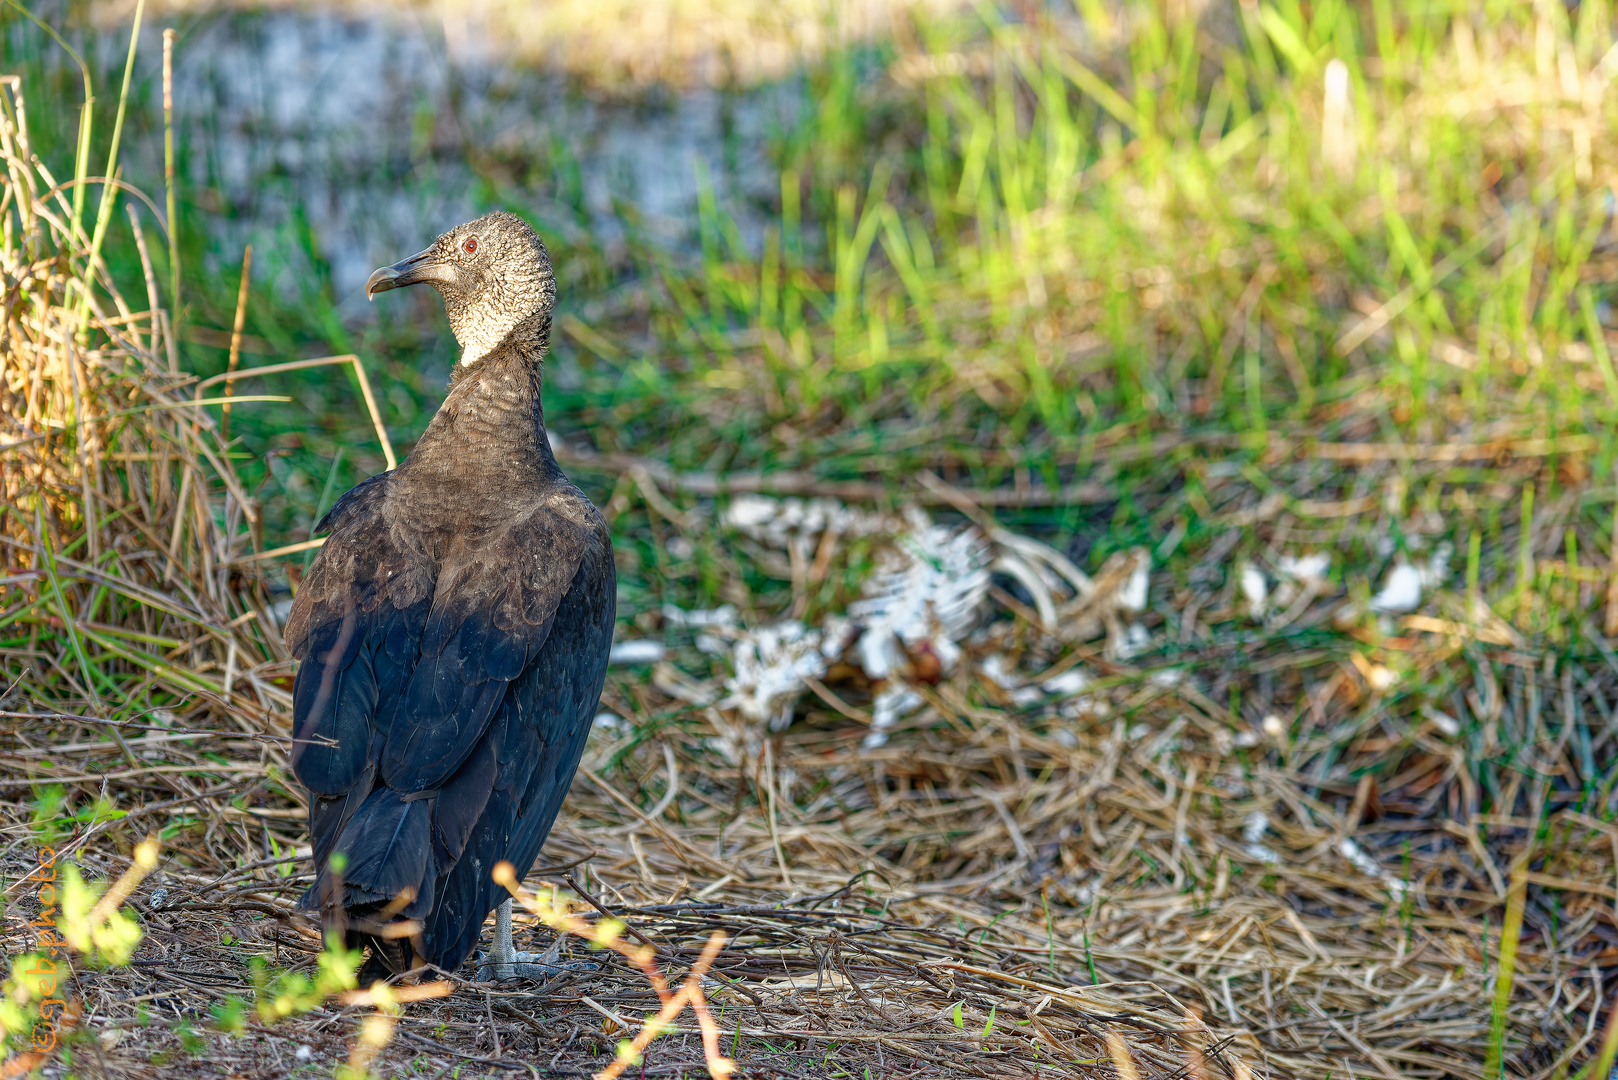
(453, 633)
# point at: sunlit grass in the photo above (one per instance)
(1078, 238)
(1351, 224)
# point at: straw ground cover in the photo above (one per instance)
(1238, 288)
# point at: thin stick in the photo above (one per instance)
(1525, 551)
(236, 339)
(1611, 623)
(275, 553)
(168, 180)
(376, 415)
(109, 191)
(151, 280)
(172, 346)
(775, 835)
(573, 884)
(1386, 313)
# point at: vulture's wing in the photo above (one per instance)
(405, 658)
(536, 739)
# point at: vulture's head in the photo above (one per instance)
(493, 273)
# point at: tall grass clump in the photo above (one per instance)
(122, 520)
(129, 601)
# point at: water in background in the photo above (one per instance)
(351, 142)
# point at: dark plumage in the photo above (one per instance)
(453, 630)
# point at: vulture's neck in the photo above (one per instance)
(490, 431)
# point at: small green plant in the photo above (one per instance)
(1494, 1063)
(46, 818)
(192, 1043)
(230, 1016)
(607, 933)
(102, 934)
(284, 869)
(280, 994)
(75, 917)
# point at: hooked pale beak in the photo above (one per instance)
(420, 267)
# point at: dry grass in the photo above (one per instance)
(955, 954)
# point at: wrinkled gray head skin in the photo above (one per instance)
(493, 273)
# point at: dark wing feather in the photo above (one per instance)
(354, 625)
(333, 701)
(541, 726)
(461, 801)
(388, 848)
(329, 813)
(491, 613)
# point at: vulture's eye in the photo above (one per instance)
(471, 245)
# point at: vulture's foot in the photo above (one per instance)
(539, 967)
(523, 965)
(503, 963)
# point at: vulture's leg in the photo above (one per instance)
(503, 953)
(503, 962)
